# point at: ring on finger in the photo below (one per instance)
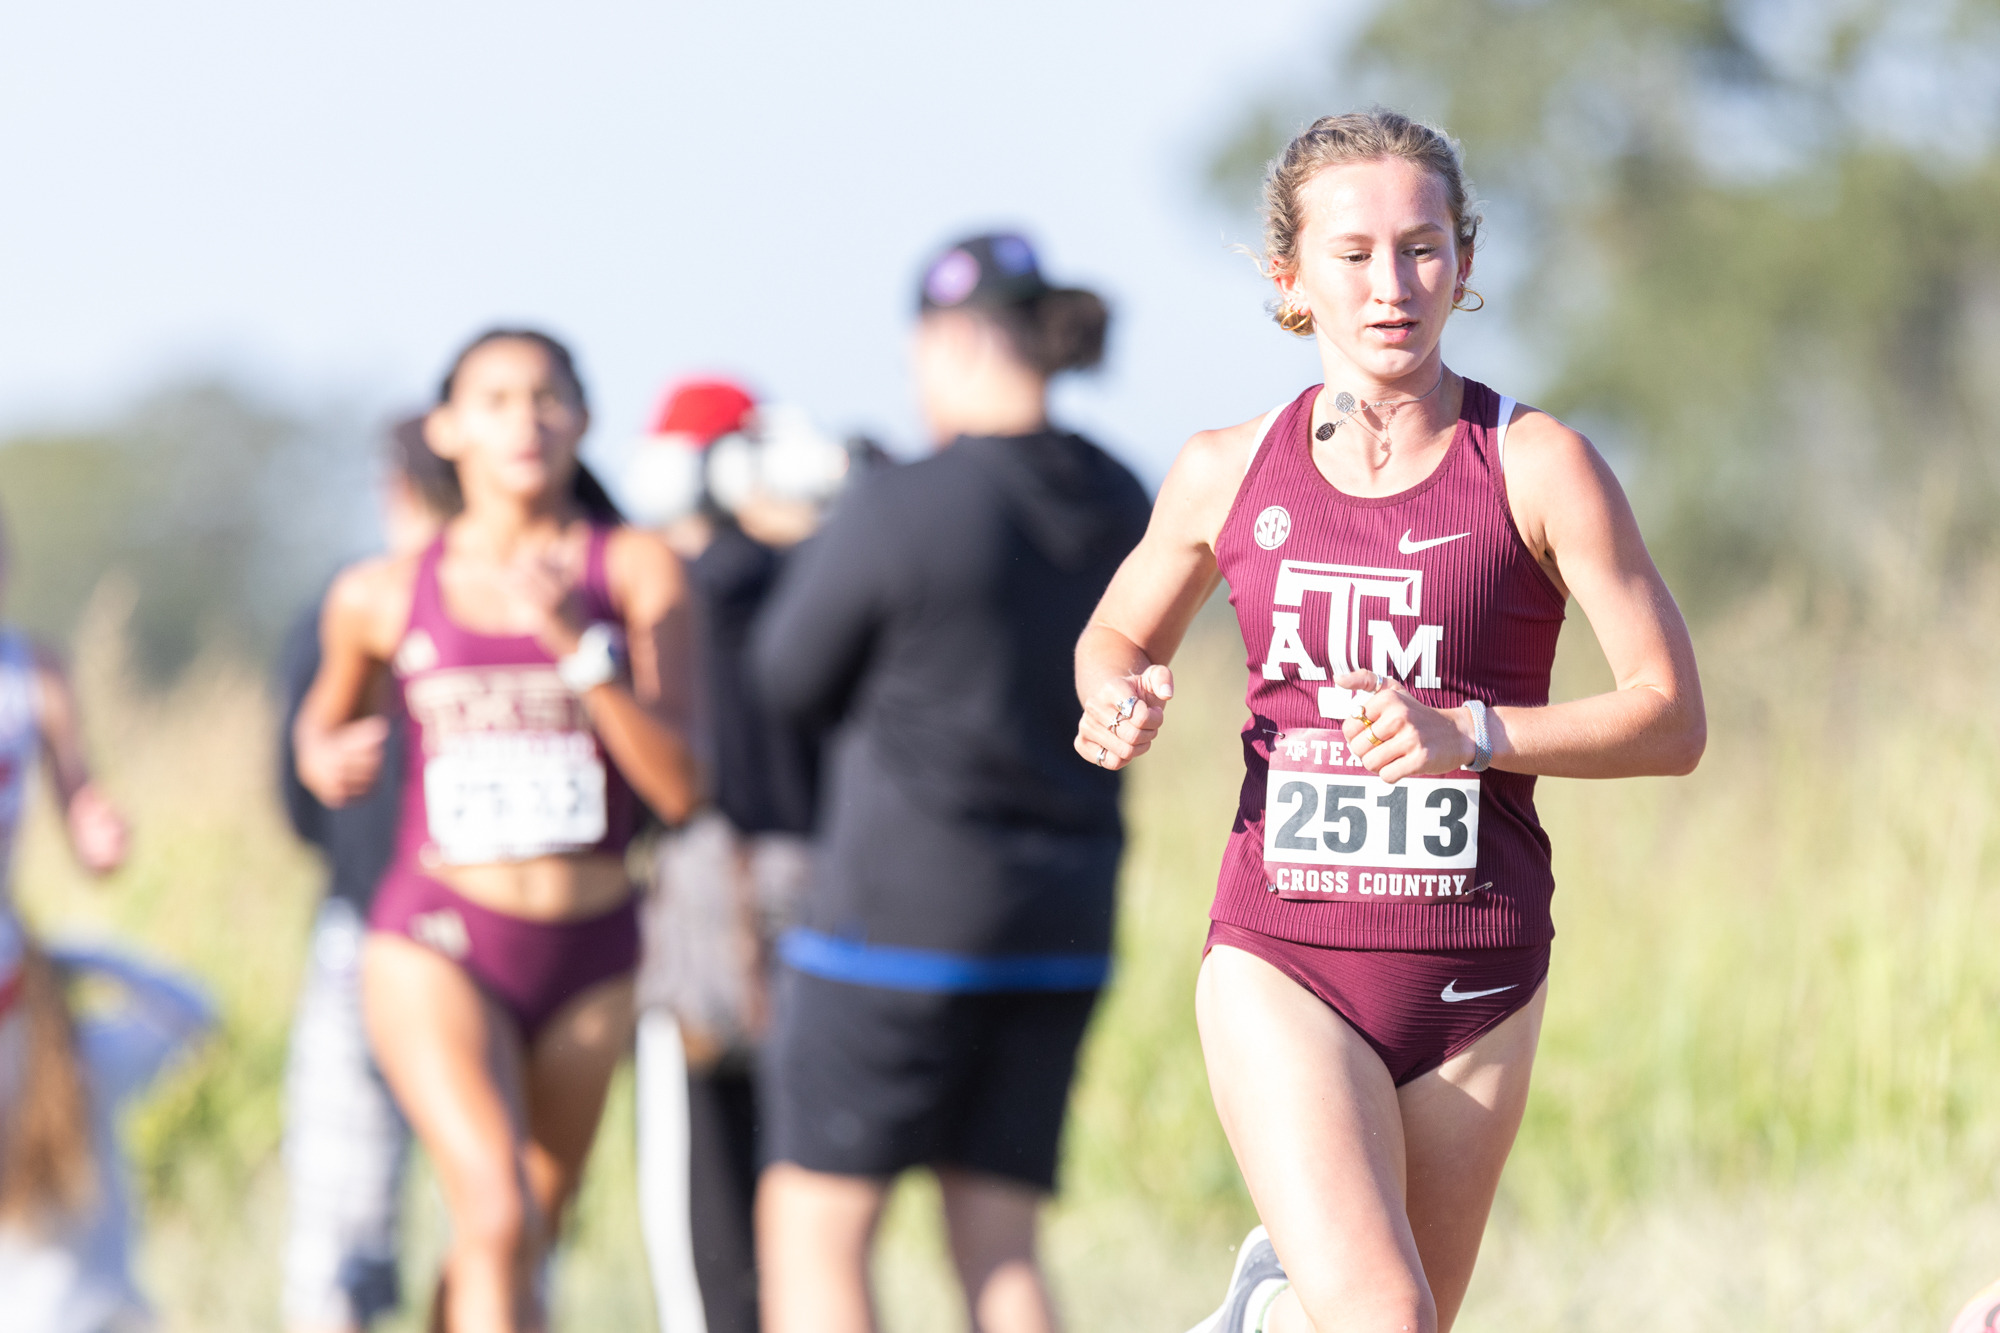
(1373, 739)
(1129, 707)
(1101, 753)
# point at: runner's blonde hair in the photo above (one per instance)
(1358, 136)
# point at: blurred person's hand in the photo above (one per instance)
(544, 585)
(340, 765)
(97, 832)
(1123, 715)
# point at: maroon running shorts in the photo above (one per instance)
(531, 968)
(1416, 1010)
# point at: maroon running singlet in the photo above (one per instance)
(502, 765)
(1435, 587)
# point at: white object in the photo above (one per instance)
(512, 795)
(1263, 429)
(1332, 827)
(1482, 742)
(594, 661)
(665, 1147)
(783, 457)
(663, 480)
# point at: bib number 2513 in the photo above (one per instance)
(1333, 831)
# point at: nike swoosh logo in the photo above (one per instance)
(1408, 547)
(1451, 994)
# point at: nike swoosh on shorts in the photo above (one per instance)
(1452, 995)
(1408, 547)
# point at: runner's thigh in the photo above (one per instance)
(1459, 1122)
(1313, 1118)
(450, 1057)
(569, 1072)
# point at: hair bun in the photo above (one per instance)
(1070, 325)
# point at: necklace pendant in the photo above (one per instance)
(1325, 432)
(1343, 402)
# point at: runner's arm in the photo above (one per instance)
(97, 832)
(339, 748)
(1574, 516)
(1124, 651)
(298, 664)
(645, 725)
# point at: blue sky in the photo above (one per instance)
(322, 201)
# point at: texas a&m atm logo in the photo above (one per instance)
(1348, 587)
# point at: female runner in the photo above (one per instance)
(1400, 544)
(497, 972)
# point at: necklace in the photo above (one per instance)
(1345, 404)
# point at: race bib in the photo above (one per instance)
(509, 796)
(1334, 832)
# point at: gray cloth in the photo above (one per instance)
(719, 899)
(346, 1144)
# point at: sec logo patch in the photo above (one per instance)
(1273, 526)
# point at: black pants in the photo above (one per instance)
(861, 1081)
(722, 1187)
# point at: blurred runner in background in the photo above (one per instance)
(735, 487)
(345, 1141)
(541, 654)
(38, 720)
(959, 924)
(66, 1217)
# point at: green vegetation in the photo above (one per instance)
(1769, 1089)
(219, 517)
(1752, 247)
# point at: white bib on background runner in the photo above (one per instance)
(511, 773)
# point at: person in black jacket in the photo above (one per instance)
(345, 1141)
(959, 925)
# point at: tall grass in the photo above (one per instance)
(1768, 1095)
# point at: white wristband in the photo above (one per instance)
(594, 663)
(1482, 744)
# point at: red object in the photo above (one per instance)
(705, 409)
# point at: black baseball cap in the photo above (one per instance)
(995, 269)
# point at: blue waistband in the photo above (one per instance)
(893, 968)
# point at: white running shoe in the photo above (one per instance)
(1256, 1264)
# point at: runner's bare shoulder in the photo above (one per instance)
(369, 603)
(1556, 479)
(645, 575)
(1201, 486)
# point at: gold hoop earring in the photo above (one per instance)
(1458, 302)
(1296, 319)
